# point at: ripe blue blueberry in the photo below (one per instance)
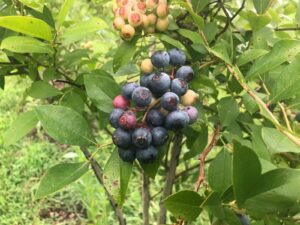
(127, 90)
(160, 59)
(169, 101)
(159, 83)
(121, 138)
(186, 73)
(145, 80)
(192, 113)
(177, 120)
(127, 155)
(177, 57)
(159, 136)
(141, 96)
(244, 219)
(147, 155)
(155, 118)
(179, 86)
(114, 117)
(141, 137)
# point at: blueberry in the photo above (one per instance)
(192, 113)
(177, 57)
(141, 138)
(114, 117)
(127, 90)
(169, 101)
(141, 96)
(159, 136)
(160, 59)
(121, 138)
(120, 102)
(147, 155)
(179, 86)
(145, 80)
(127, 120)
(177, 120)
(244, 219)
(186, 73)
(127, 155)
(159, 83)
(155, 118)
(297, 117)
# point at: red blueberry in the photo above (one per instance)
(120, 102)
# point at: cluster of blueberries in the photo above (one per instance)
(160, 101)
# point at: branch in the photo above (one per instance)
(239, 10)
(202, 158)
(292, 137)
(170, 176)
(227, 16)
(99, 175)
(69, 82)
(287, 29)
(146, 199)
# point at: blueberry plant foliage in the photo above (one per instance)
(238, 162)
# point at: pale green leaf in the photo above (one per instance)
(41, 90)
(37, 5)
(64, 11)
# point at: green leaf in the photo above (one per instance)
(258, 21)
(197, 19)
(220, 51)
(284, 83)
(246, 172)
(184, 205)
(65, 125)
(101, 89)
(38, 5)
(196, 140)
(27, 25)
(73, 100)
(262, 6)
(284, 50)
(59, 176)
(116, 177)
(20, 127)
(41, 90)
(64, 11)
(3, 57)
(22, 44)
(228, 110)
(152, 168)
(191, 35)
(171, 41)
(83, 29)
(277, 142)
(250, 55)
(219, 173)
(124, 54)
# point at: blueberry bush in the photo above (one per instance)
(200, 98)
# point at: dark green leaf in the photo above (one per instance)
(258, 21)
(184, 204)
(20, 127)
(73, 100)
(101, 89)
(250, 55)
(34, 4)
(124, 54)
(262, 6)
(219, 173)
(228, 111)
(65, 125)
(41, 89)
(59, 176)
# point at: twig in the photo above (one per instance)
(287, 122)
(170, 176)
(239, 10)
(227, 16)
(99, 175)
(293, 138)
(146, 199)
(202, 158)
(206, 64)
(287, 29)
(69, 82)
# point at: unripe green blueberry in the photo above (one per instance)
(127, 32)
(146, 66)
(189, 98)
(146, 21)
(151, 4)
(162, 24)
(162, 10)
(135, 19)
(149, 30)
(118, 23)
(152, 19)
